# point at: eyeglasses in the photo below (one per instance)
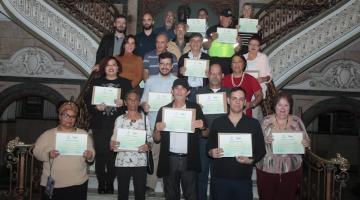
(67, 116)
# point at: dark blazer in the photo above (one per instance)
(106, 47)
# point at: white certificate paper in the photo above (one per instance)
(212, 103)
(227, 35)
(253, 73)
(105, 95)
(235, 144)
(248, 25)
(196, 68)
(130, 139)
(287, 143)
(158, 99)
(70, 143)
(178, 120)
(196, 25)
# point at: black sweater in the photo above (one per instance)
(229, 168)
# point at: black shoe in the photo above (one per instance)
(109, 188)
(101, 187)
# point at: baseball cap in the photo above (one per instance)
(226, 12)
(181, 81)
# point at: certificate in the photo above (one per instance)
(287, 143)
(196, 25)
(248, 25)
(158, 99)
(212, 103)
(70, 143)
(130, 139)
(196, 68)
(105, 95)
(178, 119)
(227, 35)
(253, 73)
(235, 144)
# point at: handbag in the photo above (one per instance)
(149, 160)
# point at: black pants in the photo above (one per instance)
(104, 158)
(139, 180)
(179, 175)
(76, 192)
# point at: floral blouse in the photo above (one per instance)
(280, 163)
(131, 158)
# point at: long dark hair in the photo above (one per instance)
(126, 40)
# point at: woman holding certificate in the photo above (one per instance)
(104, 107)
(279, 172)
(64, 174)
(240, 79)
(132, 138)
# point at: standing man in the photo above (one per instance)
(232, 175)
(179, 161)
(215, 76)
(110, 44)
(195, 53)
(157, 83)
(221, 52)
(169, 25)
(151, 59)
(145, 40)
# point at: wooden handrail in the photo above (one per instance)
(96, 15)
(280, 17)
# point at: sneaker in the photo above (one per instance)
(149, 191)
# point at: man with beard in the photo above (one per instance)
(158, 83)
(151, 59)
(169, 25)
(145, 40)
(110, 44)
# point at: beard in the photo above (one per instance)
(120, 30)
(147, 27)
(164, 74)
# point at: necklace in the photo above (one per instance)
(277, 122)
(233, 81)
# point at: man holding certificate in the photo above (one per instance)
(156, 87)
(279, 172)
(179, 153)
(65, 152)
(194, 64)
(212, 99)
(236, 144)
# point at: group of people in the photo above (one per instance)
(157, 57)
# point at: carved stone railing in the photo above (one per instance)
(56, 29)
(323, 179)
(297, 51)
(280, 17)
(96, 15)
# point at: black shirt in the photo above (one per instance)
(145, 43)
(229, 168)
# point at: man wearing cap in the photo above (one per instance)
(179, 161)
(68, 172)
(221, 52)
(195, 53)
(157, 83)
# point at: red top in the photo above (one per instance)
(249, 84)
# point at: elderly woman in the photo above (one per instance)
(69, 172)
(102, 122)
(131, 163)
(132, 65)
(279, 175)
(240, 79)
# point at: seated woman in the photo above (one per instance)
(132, 65)
(240, 79)
(131, 163)
(279, 175)
(68, 172)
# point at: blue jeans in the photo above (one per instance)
(203, 176)
(228, 189)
